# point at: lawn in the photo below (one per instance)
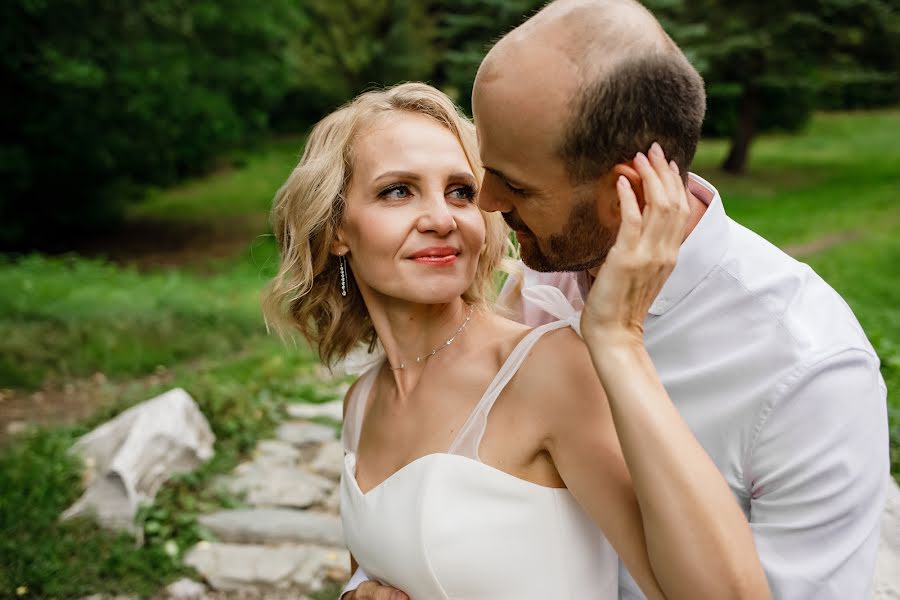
(65, 319)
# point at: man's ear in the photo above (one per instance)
(634, 178)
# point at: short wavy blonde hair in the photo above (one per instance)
(305, 294)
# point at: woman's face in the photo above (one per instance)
(412, 230)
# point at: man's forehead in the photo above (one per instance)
(523, 105)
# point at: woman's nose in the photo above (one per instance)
(436, 216)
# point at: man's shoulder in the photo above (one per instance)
(770, 284)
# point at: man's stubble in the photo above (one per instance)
(583, 243)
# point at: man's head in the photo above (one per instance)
(562, 104)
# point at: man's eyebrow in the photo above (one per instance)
(501, 175)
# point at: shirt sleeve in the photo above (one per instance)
(358, 577)
(817, 473)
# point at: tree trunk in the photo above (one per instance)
(744, 132)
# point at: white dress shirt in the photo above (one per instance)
(774, 375)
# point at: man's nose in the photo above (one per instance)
(489, 200)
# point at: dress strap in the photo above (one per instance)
(356, 408)
(468, 440)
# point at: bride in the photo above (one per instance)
(484, 459)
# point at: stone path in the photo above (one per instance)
(289, 542)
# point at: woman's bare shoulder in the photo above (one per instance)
(558, 373)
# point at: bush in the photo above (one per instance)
(108, 95)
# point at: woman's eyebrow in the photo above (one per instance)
(398, 175)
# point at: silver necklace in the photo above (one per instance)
(439, 347)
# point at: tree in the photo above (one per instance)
(102, 96)
(765, 68)
(468, 28)
(341, 48)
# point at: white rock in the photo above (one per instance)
(275, 526)
(269, 485)
(300, 433)
(239, 567)
(887, 568)
(330, 460)
(323, 563)
(186, 589)
(333, 410)
(131, 456)
(333, 501)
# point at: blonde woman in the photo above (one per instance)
(482, 459)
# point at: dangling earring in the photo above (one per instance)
(342, 261)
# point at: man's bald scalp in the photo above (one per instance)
(634, 85)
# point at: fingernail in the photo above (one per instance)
(640, 158)
(622, 181)
(674, 166)
(656, 149)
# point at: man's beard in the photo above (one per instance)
(582, 245)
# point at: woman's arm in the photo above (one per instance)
(682, 535)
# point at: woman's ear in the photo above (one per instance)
(634, 178)
(338, 246)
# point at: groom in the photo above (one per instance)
(764, 361)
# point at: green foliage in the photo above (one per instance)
(240, 396)
(91, 316)
(769, 69)
(109, 95)
(468, 28)
(341, 48)
(38, 480)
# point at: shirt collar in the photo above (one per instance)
(700, 252)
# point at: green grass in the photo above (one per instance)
(64, 318)
(245, 190)
(842, 174)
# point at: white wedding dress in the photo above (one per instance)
(447, 525)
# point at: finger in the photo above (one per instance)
(683, 206)
(663, 169)
(655, 209)
(630, 228)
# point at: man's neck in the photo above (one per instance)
(698, 209)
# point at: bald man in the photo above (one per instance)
(765, 362)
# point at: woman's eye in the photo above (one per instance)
(465, 192)
(395, 192)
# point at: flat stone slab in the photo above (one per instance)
(242, 566)
(275, 526)
(301, 433)
(332, 410)
(330, 460)
(276, 452)
(186, 589)
(272, 485)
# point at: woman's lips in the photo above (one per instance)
(437, 261)
(437, 256)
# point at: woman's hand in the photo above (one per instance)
(372, 590)
(644, 254)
